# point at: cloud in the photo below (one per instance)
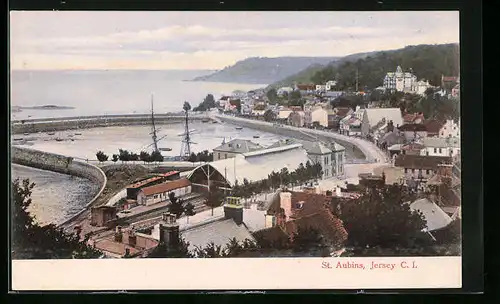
(214, 46)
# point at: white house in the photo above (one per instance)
(421, 86)
(320, 87)
(450, 129)
(379, 117)
(330, 85)
(400, 81)
(232, 148)
(159, 193)
(281, 91)
(350, 125)
(284, 113)
(435, 146)
(316, 114)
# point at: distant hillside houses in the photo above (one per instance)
(405, 82)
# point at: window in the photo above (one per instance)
(440, 150)
(412, 170)
(218, 156)
(155, 196)
(435, 150)
(427, 153)
(427, 171)
(406, 170)
(225, 155)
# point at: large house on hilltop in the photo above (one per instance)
(400, 81)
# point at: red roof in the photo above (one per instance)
(170, 173)
(412, 127)
(306, 86)
(450, 78)
(433, 126)
(411, 117)
(165, 187)
(145, 182)
(342, 112)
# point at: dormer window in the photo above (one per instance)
(230, 145)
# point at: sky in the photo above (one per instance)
(52, 40)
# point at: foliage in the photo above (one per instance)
(101, 157)
(115, 158)
(189, 210)
(428, 62)
(272, 95)
(203, 156)
(156, 156)
(269, 115)
(32, 241)
(309, 240)
(181, 251)
(207, 104)
(295, 95)
(176, 205)
(186, 107)
(214, 198)
(381, 217)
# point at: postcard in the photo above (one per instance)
(235, 150)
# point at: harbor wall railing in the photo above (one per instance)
(61, 164)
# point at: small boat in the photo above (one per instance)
(205, 120)
(239, 128)
(70, 135)
(59, 139)
(26, 133)
(256, 136)
(165, 149)
(214, 122)
(18, 139)
(51, 133)
(78, 133)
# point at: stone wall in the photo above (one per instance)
(289, 131)
(61, 164)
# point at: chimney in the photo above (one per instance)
(169, 230)
(132, 238)
(233, 209)
(118, 234)
(286, 204)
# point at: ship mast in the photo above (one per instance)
(153, 127)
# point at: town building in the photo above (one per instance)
(305, 88)
(102, 216)
(284, 113)
(330, 85)
(449, 82)
(133, 189)
(412, 148)
(284, 90)
(350, 126)
(455, 92)
(253, 166)
(420, 87)
(124, 244)
(450, 129)
(234, 147)
(296, 210)
(441, 146)
(330, 156)
(418, 167)
(320, 88)
(160, 193)
(433, 127)
(400, 81)
(434, 216)
(378, 118)
(413, 131)
(316, 115)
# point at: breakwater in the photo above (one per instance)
(61, 164)
(86, 122)
(353, 149)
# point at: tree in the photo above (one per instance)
(180, 251)
(123, 155)
(193, 158)
(214, 198)
(176, 205)
(295, 95)
(272, 95)
(101, 157)
(210, 251)
(115, 158)
(381, 217)
(32, 241)
(186, 107)
(309, 240)
(156, 156)
(144, 156)
(269, 115)
(189, 210)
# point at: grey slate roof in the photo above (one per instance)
(436, 142)
(239, 146)
(311, 147)
(219, 232)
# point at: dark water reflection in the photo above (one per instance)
(56, 197)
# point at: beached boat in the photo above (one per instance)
(78, 133)
(214, 121)
(59, 139)
(51, 133)
(239, 128)
(205, 120)
(165, 149)
(256, 136)
(18, 139)
(26, 133)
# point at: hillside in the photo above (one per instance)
(261, 70)
(305, 76)
(428, 62)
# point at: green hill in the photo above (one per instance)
(427, 62)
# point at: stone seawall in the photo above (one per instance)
(304, 134)
(86, 122)
(61, 164)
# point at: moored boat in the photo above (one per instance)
(165, 149)
(239, 128)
